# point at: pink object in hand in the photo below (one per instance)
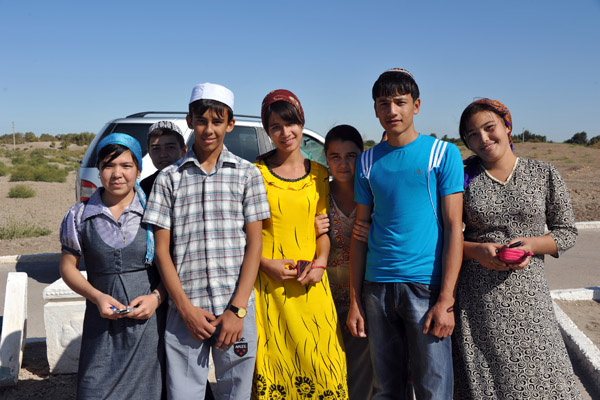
(513, 256)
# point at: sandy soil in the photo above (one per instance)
(586, 315)
(35, 382)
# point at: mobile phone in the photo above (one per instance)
(122, 310)
(301, 266)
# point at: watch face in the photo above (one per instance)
(241, 312)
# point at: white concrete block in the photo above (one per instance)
(64, 324)
(581, 347)
(590, 293)
(14, 328)
(63, 319)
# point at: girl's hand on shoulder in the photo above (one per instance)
(311, 275)
(145, 306)
(321, 224)
(105, 302)
(486, 255)
(360, 231)
(279, 269)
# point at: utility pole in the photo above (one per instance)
(14, 142)
(523, 135)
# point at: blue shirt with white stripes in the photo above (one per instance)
(404, 186)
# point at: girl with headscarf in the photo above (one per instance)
(299, 347)
(121, 348)
(507, 344)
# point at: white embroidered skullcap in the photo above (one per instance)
(212, 91)
(165, 125)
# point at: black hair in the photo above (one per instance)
(471, 110)
(394, 83)
(344, 133)
(158, 132)
(199, 107)
(286, 111)
(112, 151)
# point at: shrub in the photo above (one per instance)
(21, 192)
(3, 169)
(18, 230)
(43, 173)
(578, 138)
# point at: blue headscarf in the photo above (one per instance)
(134, 146)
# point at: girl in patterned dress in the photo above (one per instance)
(299, 346)
(507, 343)
(343, 145)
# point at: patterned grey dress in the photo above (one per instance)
(507, 344)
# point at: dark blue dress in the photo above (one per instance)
(123, 358)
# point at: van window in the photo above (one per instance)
(138, 131)
(313, 150)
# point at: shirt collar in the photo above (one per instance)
(226, 158)
(95, 206)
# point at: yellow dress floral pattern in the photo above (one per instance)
(300, 353)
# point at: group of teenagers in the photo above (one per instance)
(380, 277)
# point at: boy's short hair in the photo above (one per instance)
(393, 82)
(199, 107)
(165, 128)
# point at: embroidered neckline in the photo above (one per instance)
(509, 176)
(288, 179)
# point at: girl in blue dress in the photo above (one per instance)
(121, 348)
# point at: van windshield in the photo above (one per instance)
(138, 131)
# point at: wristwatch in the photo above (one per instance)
(239, 311)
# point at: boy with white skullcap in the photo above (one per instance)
(165, 146)
(207, 210)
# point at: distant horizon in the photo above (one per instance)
(376, 140)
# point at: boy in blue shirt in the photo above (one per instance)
(410, 190)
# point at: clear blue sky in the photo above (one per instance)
(70, 66)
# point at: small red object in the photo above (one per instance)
(513, 256)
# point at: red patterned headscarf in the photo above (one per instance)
(471, 169)
(502, 110)
(279, 95)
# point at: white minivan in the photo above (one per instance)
(247, 140)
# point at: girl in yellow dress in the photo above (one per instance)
(299, 348)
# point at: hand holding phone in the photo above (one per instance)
(122, 310)
(301, 266)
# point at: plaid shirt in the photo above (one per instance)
(206, 214)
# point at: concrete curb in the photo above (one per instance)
(588, 225)
(583, 349)
(43, 257)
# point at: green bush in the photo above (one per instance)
(43, 173)
(21, 192)
(16, 160)
(3, 169)
(18, 230)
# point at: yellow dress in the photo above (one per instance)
(300, 352)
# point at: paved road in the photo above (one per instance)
(577, 268)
